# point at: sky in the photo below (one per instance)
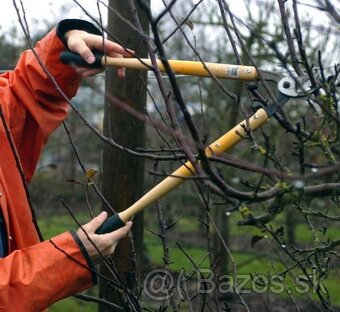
(49, 10)
(45, 10)
(39, 13)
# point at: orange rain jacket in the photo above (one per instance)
(35, 274)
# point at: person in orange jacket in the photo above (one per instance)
(34, 273)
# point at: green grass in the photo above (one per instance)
(247, 262)
(250, 261)
(73, 305)
(56, 224)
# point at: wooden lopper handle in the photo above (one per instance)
(190, 68)
(224, 143)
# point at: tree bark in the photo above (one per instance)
(123, 174)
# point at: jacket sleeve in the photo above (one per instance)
(33, 104)
(35, 277)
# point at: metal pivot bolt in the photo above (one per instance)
(286, 84)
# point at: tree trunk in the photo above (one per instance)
(123, 174)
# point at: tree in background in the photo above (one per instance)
(123, 173)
